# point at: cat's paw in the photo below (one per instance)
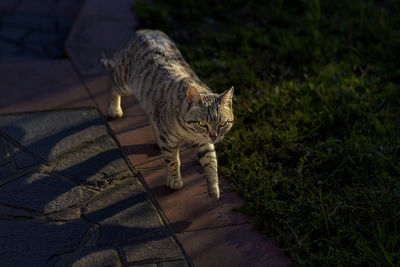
(115, 113)
(213, 191)
(175, 184)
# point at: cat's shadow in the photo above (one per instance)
(150, 150)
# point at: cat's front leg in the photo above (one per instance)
(208, 160)
(170, 150)
(114, 109)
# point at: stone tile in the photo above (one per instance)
(69, 214)
(95, 164)
(33, 242)
(7, 49)
(64, 25)
(10, 212)
(68, 8)
(99, 87)
(32, 192)
(6, 170)
(45, 85)
(7, 6)
(23, 159)
(54, 51)
(51, 134)
(232, 246)
(94, 257)
(5, 155)
(121, 9)
(92, 35)
(157, 246)
(43, 38)
(198, 210)
(13, 33)
(41, 23)
(37, 8)
(123, 212)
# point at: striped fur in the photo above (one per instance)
(180, 107)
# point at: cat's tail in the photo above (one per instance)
(108, 64)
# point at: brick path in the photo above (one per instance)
(77, 189)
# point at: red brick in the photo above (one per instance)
(42, 85)
(232, 246)
(191, 208)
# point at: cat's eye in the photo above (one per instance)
(222, 124)
(202, 123)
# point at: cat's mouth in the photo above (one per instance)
(217, 140)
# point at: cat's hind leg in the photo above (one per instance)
(115, 110)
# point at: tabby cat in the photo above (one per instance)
(179, 105)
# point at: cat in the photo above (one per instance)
(180, 107)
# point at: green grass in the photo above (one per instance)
(315, 149)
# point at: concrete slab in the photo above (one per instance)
(47, 218)
(33, 242)
(32, 192)
(51, 134)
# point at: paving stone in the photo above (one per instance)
(5, 156)
(123, 212)
(94, 257)
(54, 51)
(7, 5)
(157, 246)
(36, 37)
(92, 35)
(31, 22)
(121, 9)
(33, 242)
(64, 25)
(14, 212)
(43, 193)
(37, 7)
(95, 164)
(69, 214)
(68, 8)
(6, 164)
(51, 134)
(23, 159)
(6, 170)
(237, 245)
(46, 85)
(8, 49)
(13, 33)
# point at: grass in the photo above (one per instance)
(315, 149)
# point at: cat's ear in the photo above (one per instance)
(226, 98)
(193, 97)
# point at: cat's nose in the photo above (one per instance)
(213, 136)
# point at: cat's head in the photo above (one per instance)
(209, 116)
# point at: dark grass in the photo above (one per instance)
(315, 149)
